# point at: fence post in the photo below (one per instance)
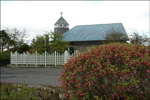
(21, 59)
(11, 59)
(27, 59)
(36, 58)
(75, 54)
(55, 58)
(45, 58)
(65, 56)
(16, 58)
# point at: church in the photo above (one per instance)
(83, 37)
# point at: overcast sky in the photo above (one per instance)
(39, 16)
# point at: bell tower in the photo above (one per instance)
(61, 26)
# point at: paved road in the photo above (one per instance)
(46, 76)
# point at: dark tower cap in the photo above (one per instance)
(61, 20)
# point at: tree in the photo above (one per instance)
(148, 41)
(113, 36)
(24, 48)
(17, 38)
(135, 38)
(41, 43)
(57, 43)
(5, 40)
(38, 44)
(49, 42)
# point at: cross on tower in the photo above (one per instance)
(61, 13)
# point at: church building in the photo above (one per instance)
(83, 37)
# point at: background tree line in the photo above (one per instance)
(134, 37)
(49, 42)
(14, 40)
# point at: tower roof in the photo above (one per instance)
(61, 20)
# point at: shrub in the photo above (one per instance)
(113, 71)
(10, 92)
(5, 58)
(5, 55)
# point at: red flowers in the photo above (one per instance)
(94, 70)
(147, 71)
(77, 81)
(124, 62)
(81, 93)
(59, 79)
(134, 72)
(125, 77)
(113, 96)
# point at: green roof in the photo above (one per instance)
(61, 20)
(93, 32)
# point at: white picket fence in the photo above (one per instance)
(35, 59)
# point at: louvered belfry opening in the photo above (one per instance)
(61, 26)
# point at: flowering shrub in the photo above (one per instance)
(113, 71)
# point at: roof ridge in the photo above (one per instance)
(98, 24)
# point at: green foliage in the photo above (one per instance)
(24, 48)
(13, 39)
(9, 92)
(4, 39)
(5, 55)
(57, 43)
(38, 44)
(4, 58)
(113, 71)
(41, 43)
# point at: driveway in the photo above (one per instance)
(44, 76)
